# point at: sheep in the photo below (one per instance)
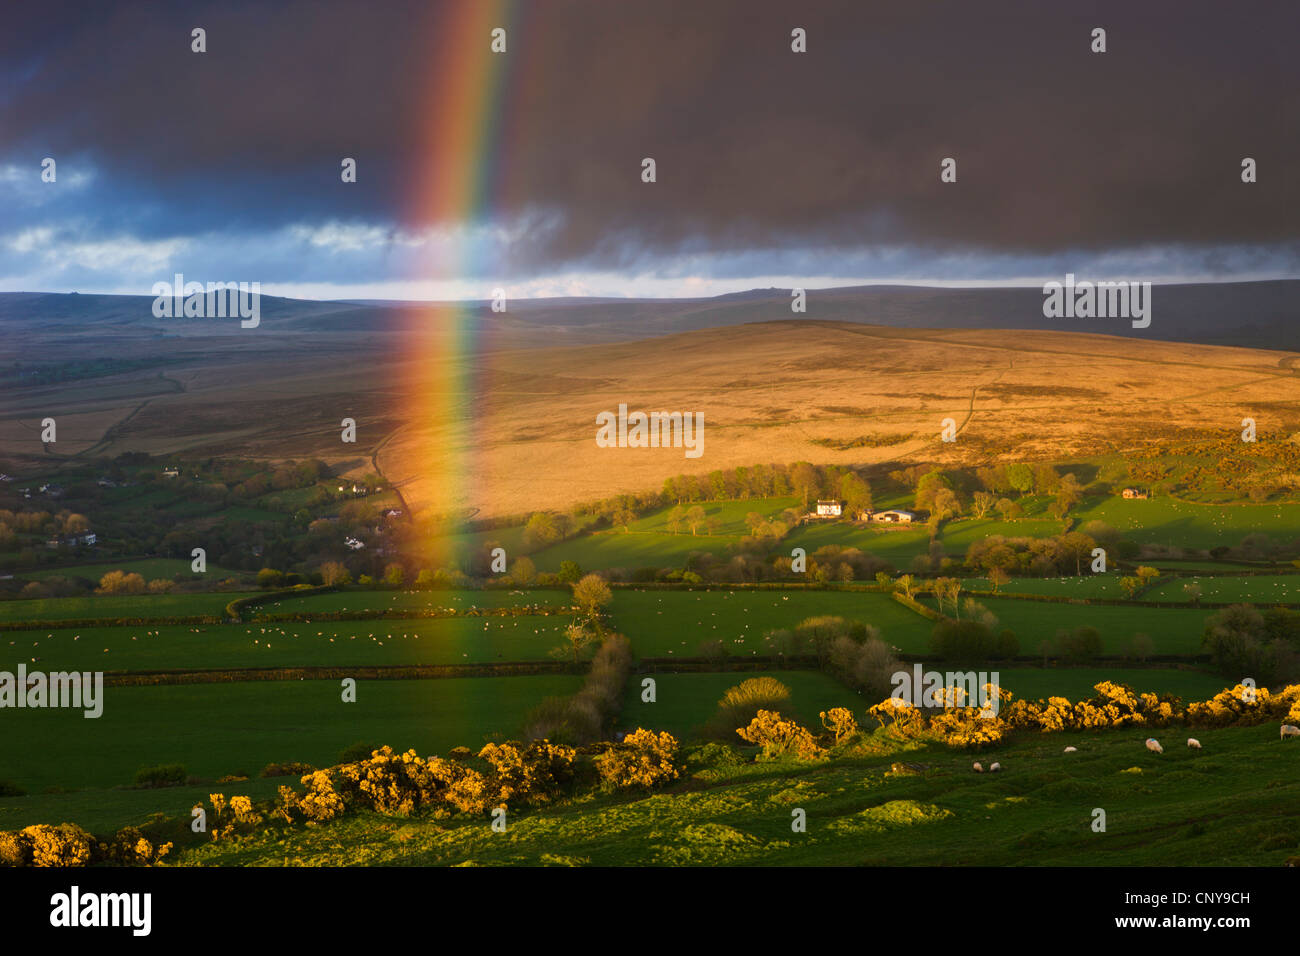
(1290, 730)
(1153, 745)
(995, 768)
(1193, 743)
(977, 767)
(1071, 750)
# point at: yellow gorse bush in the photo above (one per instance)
(780, 737)
(839, 721)
(644, 760)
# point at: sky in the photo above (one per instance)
(522, 170)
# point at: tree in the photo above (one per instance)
(576, 641)
(335, 574)
(1146, 575)
(695, 517)
(121, 582)
(1046, 480)
(394, 575)
(1130, 585)
(997, 578)
(1078, 546)
(570, 572)
(623, 515)
(946, 591)
(1142, 647)
(1080, 644)
(944, 505)
(675, 518)
(982, 503)
(927, 486)
(1068, 494)
(591, 594)
(269, 578)
(542, 529)
(856, 493)
(806, 481)
(1193, 592)
(1020, 477)
(906, 584)
(522, 571)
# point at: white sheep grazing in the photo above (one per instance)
(976, 766)
(1071, 750)
(995, 768)
(1154, 746)
(1193, 743)
(1290, 730)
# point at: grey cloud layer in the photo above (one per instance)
(757, 148)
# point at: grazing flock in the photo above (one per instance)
(1153, 745)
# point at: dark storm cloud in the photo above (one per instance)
(757, 148)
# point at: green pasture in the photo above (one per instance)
(389, 643)
(374, 601)
(1172, 630)
(1261, 589)
(1169, 521)
(220, 729)
(675, 623)
(108, 607)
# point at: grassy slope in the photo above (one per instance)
(1184, 808)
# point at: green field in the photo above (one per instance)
(675, 623)
(219, 729)
(413, 600)
(616, 549)
(685, 702)
(1172, 630)
(107, 607)
(327, 644)
(1172, 522)
(1237, 802)
(960, 534)
(1261, 589)
(730, 514)
(1082, 586)
(898, 546)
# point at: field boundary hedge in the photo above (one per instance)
(55, 625)
(1124, 602)
(913, 604)
(235, 609)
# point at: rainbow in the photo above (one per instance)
(462, 143)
